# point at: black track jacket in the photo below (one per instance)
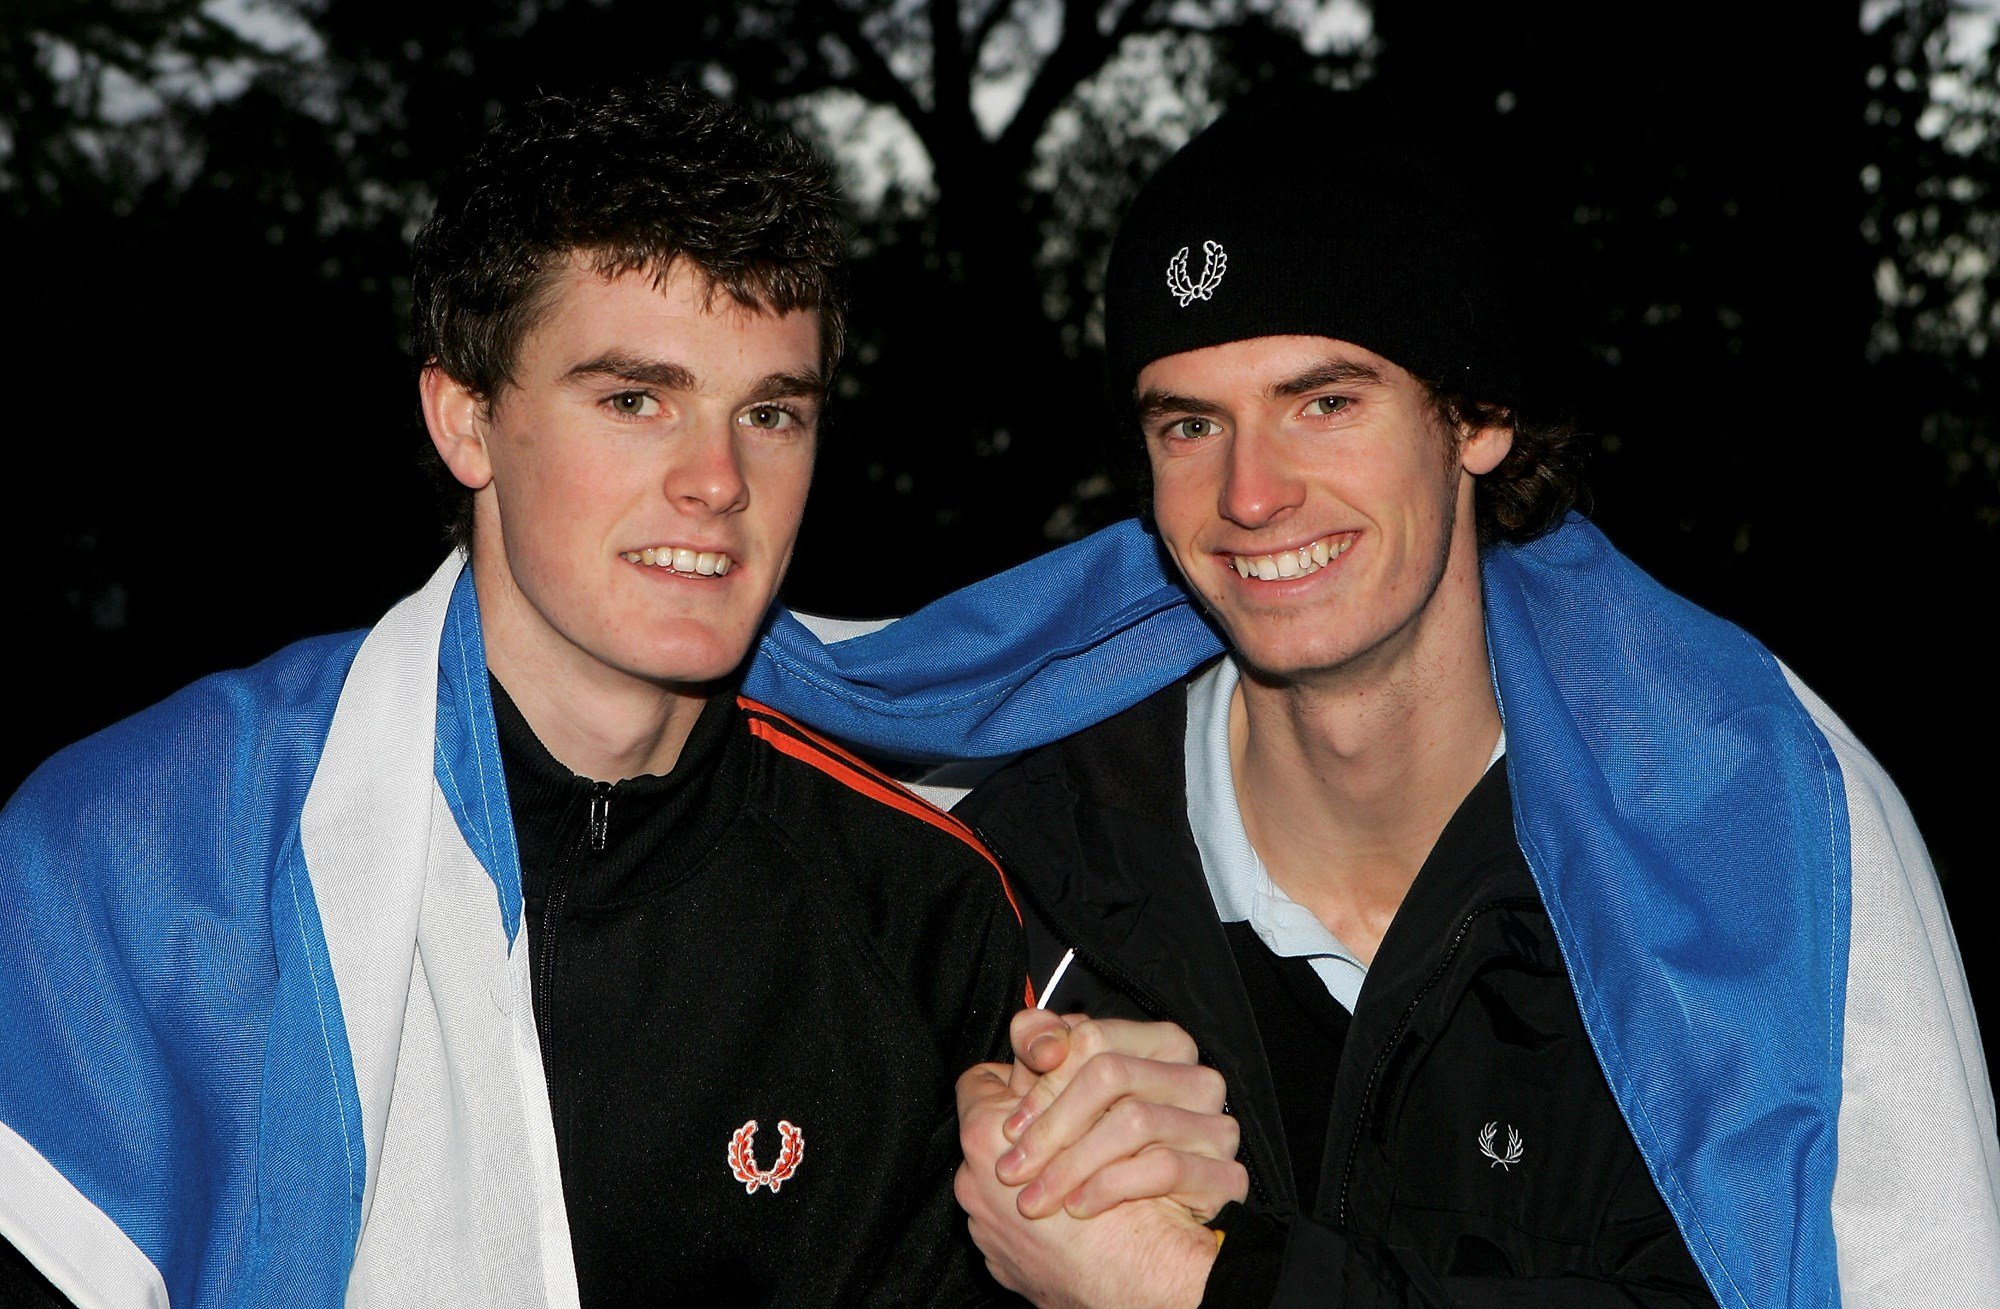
(756, 980)
(1466, 1019)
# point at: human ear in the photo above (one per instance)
(1481, 449)
(457, 422)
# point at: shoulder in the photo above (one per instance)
(232, 741)
(1131, 761)
(1884, 842)
(163, 833)
(858, 821)
(1914, 1078)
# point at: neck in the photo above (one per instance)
(1346, 780)
(597, 721)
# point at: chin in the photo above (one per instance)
(685, 658)
(1276, 658)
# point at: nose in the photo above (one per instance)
(707, 472)
(1259, 485)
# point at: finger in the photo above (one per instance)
(1040, 1039)
(984, 1101)
(1088, 1037)
(1201, 1184)
(1106, 1081)
(980, 1085)
(1128, 1129)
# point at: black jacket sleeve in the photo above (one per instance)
(977, 979)
(22, 1287)
(1301, 1263)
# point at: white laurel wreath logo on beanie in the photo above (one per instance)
(1214, 262)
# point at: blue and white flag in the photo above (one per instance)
(266, 1036)
(265, 1014)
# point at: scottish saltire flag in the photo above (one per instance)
(266, 1038)
(265, 1028)
(1751, 924)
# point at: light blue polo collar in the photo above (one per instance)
(1237, 880)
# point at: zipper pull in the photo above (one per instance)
(600, 817)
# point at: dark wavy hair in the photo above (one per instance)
(627, 179)
(1539, 481)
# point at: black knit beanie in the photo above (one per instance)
(1310, 215)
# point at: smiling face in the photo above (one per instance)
(1314, 502)
(638, 487)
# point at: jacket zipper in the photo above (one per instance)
(597, 836)
(1395, 1037)
(600, 817)
(1131, 986)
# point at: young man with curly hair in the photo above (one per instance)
(505, 954)
(1553, 945)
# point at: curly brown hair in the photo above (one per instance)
(630, 178)
(1539, 481)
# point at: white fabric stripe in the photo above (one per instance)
(468, 1205)
(1916, 1195)
(370, 799)
(832, 631)
(464, 1202)
(73, 1242)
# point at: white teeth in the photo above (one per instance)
(679, 559)
(1288, 564)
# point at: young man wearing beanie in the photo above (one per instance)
(504, 954)
(1555, 945)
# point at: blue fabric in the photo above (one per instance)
(171, 1041)
(1686, 822)
(1682, 814)
(468, 753)
(1067, 639)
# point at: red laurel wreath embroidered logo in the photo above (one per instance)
(743, 1157)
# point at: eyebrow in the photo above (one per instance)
(790, 386)
(633, 368)
(1154, 403)
(671, 376)
(1330, 372)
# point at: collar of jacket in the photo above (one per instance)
(552, 807)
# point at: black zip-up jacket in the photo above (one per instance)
(1466, 1020)
(771, 934)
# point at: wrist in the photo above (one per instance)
(1185, 1268)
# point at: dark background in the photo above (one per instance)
(1757, 263)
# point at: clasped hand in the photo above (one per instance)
(1092, 1161)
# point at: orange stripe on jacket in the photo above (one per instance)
(812, 748)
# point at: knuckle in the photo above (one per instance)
(1211, 1088)
(1102, 1075)
(1135, 1120)
(1090, 1038)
